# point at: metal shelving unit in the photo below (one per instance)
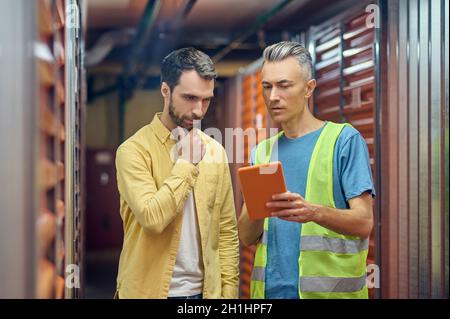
(43, 111)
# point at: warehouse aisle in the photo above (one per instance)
(79, 77)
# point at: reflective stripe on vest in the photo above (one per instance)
(257, 283)
(331, 265)
(332, 284)
(335, 245)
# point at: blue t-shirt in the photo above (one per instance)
(352, 176)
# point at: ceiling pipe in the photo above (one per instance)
(254, 27)
(143, 34)
(126, 82)
(106, 44)
(161, 47)
(184, 12)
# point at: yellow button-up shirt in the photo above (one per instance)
(153, 189)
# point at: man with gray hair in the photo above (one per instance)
(315, 245)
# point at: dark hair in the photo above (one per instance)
(183, 59)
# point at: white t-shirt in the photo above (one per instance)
(187, 278)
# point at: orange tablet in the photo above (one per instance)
(258, 184)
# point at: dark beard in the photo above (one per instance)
(176, 119)
(179, 121)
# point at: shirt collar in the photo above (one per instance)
(161, 131)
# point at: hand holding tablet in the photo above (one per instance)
(258, 184)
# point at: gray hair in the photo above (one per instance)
(285, 49)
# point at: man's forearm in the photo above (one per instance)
(249, 230)
(155, 208)
(344, 221)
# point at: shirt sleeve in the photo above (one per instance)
(355, 170)
(228, 238)
(153, 208)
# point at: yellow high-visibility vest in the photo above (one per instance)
(331, 265)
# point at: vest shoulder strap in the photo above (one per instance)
(264, 149)
(320, 172)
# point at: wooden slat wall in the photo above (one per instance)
(343, 52)
(248, 120)
(59, 222)
(50, 222)
(254, 116)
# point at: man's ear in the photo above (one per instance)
(310, 86)
(165, 90)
